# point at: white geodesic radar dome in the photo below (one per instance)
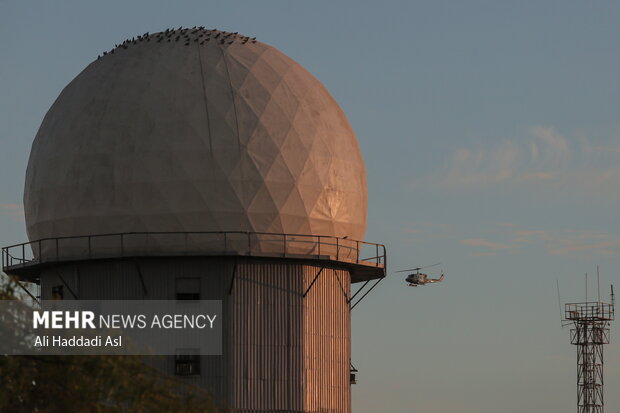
(195, 130)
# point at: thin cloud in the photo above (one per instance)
(14, 211)
(531, 236)
(588, 242)
(600, 148)
(601, 248)
(479, 242)
(414, 231)
(562, 242)
(482, 167)
(506, 224)
(424, 231)
(554, 147)
(483, 254)
(545, 158)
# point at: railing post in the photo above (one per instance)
(90, 252)
(384, 260)
(225, 242)
(337, 249)
(319, 246)
(377, 255)
(186, 246)
(56, 249)
(122, 246)
(23, 254)
(357, 248)
(285, 246)
(249, 244)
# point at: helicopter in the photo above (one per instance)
(417, 278)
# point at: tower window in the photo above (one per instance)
(187, 363)
(57, 293)
(188, 288)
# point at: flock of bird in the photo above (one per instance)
(198, 35)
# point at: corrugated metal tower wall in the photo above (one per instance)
(283, 351)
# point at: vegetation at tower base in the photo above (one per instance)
(52, 384)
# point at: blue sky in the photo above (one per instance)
(491, 136)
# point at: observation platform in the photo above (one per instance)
(589, 311)
(365, 260)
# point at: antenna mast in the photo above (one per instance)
(591, 321)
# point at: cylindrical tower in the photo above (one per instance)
(204, 164)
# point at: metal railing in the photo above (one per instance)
(133, 244)
(589, 311)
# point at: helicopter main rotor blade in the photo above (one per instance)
(429, 266)
(411, 269)
(419, 268)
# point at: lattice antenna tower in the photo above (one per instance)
(590, 322)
